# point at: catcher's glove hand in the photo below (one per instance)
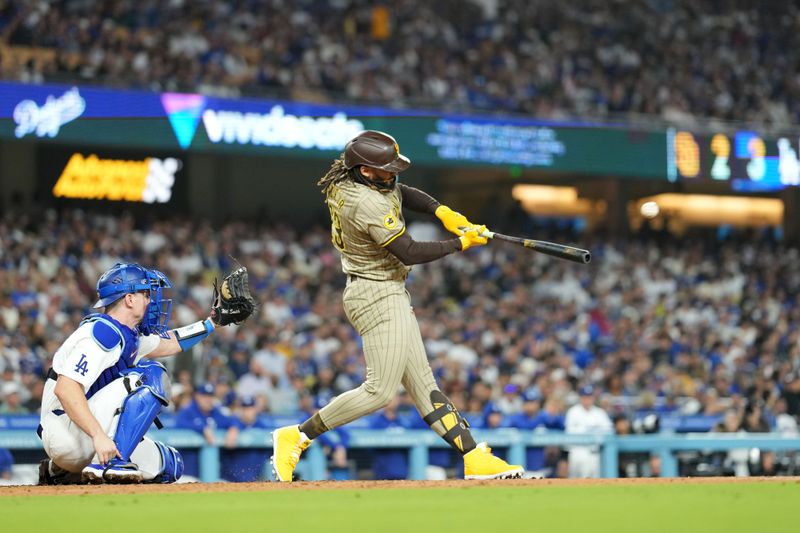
(232, 302)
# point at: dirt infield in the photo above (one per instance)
(369, 485)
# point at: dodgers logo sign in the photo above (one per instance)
(46, 120)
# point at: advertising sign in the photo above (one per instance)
(194, 122)
(94, 173)
(148, 180)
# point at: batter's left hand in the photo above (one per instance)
(453, 221)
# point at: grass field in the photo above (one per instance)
(597, 508)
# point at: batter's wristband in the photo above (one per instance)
(190, 335)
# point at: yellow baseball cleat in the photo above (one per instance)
(481, 464)
(288, 444)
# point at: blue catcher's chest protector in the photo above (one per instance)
(108, 334)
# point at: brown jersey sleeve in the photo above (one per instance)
(411, 252)
(418, 200)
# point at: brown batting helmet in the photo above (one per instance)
(377, 150)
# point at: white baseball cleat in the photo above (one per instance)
(116, 472)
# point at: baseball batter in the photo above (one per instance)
(367, 227)
(105, 389)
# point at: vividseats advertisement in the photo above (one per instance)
(193, 122)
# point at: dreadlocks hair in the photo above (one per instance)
(338, 172)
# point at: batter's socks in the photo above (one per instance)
(313, 427)
(456, 428)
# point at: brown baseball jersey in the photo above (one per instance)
(363, 222)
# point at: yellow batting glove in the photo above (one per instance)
(473, 236)
(453, 221)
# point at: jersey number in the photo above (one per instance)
(83, 366)
(337, 236)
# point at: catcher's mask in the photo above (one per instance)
(374, 149)
(128, 278)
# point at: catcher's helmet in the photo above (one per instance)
(377, 150)
(127, 278)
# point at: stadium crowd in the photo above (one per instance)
(653, 325)
(680, 59)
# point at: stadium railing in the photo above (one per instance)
(418, 442)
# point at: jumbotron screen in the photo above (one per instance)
(748, 161)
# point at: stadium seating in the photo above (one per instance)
(680, 59)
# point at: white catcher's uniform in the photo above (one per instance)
(86, 358)
(584, 461)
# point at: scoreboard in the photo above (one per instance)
(746, 160)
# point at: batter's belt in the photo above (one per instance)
(354, 277)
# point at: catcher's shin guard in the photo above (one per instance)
(171, 462)
(141, 407)
(456, 427)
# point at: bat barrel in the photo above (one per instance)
(562, 251)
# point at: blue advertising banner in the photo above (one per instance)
(174, 121)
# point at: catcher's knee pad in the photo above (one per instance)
(153, 376)
(456, 427)
(147, 396)
(171, 462)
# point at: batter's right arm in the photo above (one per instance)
(411, 252)
(71, 395)
(422, 202)
(418, 200)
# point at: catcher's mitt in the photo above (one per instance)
(233, 302)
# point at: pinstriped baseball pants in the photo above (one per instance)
(381, 313)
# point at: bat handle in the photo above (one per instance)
(485, 233)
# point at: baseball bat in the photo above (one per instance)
(550, 248)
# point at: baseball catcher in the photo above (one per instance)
(367, 227)
(105, 388)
